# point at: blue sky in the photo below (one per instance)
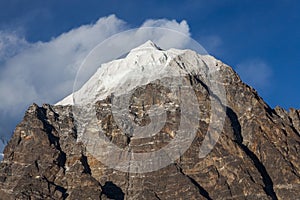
(260, 39)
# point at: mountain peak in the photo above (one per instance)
(143, 64)
(147, 45)
(85, 151)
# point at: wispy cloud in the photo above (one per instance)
(45, 71)
(212, 43)
(10, 45)
(256, 73)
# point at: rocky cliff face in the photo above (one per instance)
(255, 157)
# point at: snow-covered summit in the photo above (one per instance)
(142, 65)
(147, 45)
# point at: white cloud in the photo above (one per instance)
(168, 40)
(45, 71)
(256, 73)
(10, 45)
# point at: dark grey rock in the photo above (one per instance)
(256, 157)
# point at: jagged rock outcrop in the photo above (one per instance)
(256, 156)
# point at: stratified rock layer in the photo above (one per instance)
(256, 156)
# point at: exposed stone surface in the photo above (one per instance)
(256, 156)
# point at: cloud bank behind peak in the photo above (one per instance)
(44, 72)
